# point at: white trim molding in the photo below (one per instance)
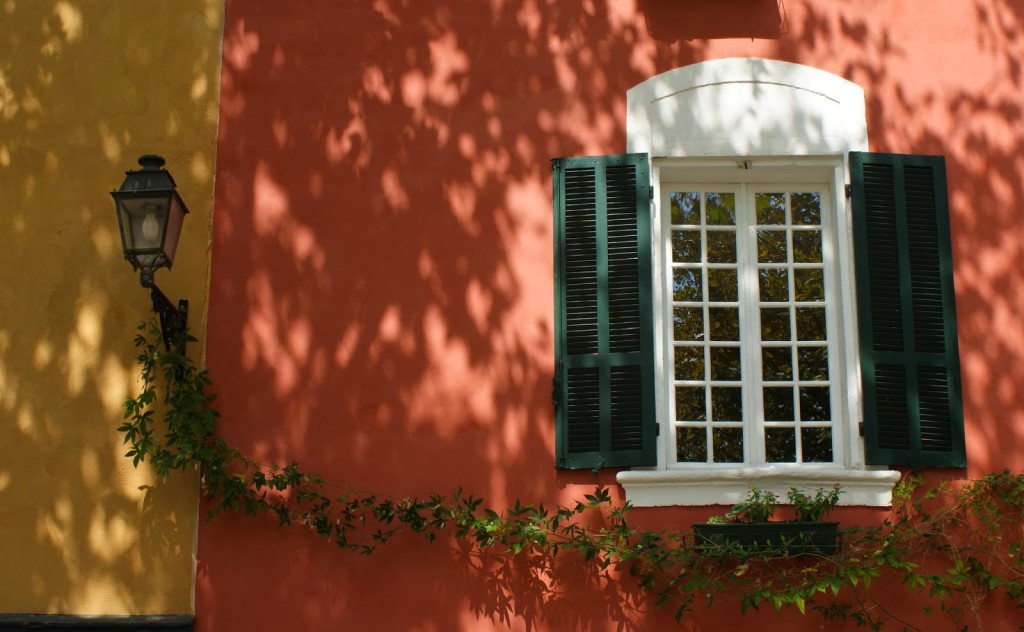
(728, 486)
(745, 107)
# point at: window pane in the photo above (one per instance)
(783, 240)
(685, 208)
(690, 403)
(771, 208)
(728, 444)
(721, 246)
(725, 323)
(691, 445)
(774, 284)
(726, 403)
(776, 363)
(688, 323)
(806, 208)
(774, 323)
(813, 363)
(810, 323)
(816, 445)
(780, 445)
(721, 209)
(689, 363)
(814, 403)
(686, 246)
(722, 286)
(807, 246)
(686, 285)
(771, 246)
(725, 363)
(810, 284)
(778, 403)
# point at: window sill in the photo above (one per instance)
(659, 488)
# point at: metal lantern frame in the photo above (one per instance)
(150, 215)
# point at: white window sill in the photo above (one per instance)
(728, 486)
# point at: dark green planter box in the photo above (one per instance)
(781, 538)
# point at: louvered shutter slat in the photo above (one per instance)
(604, 339)
(910, 368)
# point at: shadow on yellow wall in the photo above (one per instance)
(85, 87)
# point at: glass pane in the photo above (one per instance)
(688, 323)
(806, 208)
(721, 246)
(780, 445)
(690, 402)
(774, 284)
(810, 323)
(691, 445)
(721, 209)
(726, 403)
(722, 286)
(725, 323)
(774, 323)
(686, 285)
(685, 208)
(813, 363)
(816, 445)
(778, 403)
(728, 444)
(771, 246)
(689, 363)
(807, 246)
(725, 363)
(771, 208)
(814, 403)
(686, 246)
(776, 363)
(810, 284)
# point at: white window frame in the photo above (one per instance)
(772, 121)
(749, 342)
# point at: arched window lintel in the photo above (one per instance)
(745, 107)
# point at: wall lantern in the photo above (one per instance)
(150, 214)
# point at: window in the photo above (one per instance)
(749, 307)
(709, 324)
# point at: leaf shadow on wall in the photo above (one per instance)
(83, 91)
(381, 293)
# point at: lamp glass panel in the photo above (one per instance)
(175, 218)
(143, 226)
(143, 221)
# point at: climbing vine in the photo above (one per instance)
(950, 547)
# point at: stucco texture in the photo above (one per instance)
(86, 86)
(381, 287)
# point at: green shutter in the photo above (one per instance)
(604, 325)
(910, 363)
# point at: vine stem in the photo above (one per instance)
(980, 523)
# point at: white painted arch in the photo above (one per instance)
(745, 107)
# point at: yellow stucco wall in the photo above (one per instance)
(86, 86)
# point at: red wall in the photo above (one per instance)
(381, 291)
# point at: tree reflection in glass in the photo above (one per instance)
(816, 444)
(687, 284)
(691, 445)
(689, 363)
(728, 445)
(685, 207)
(770, 208)
(778, 294)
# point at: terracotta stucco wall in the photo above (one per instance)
(86, 86)
(381, 289)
